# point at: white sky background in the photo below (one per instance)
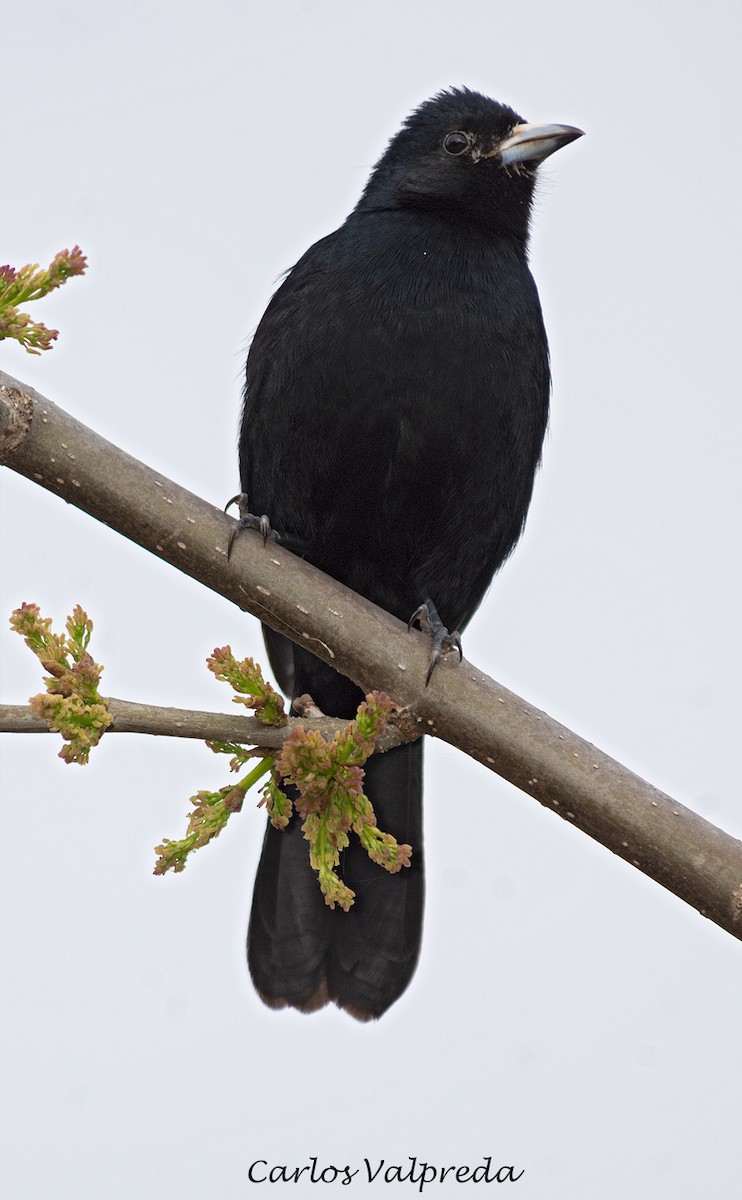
(568, 1016)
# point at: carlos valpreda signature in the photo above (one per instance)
(413, 1170)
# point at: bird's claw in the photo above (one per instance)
(248, 520)
(443, 641)
(426, 617)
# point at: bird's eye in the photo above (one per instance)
(457, 142)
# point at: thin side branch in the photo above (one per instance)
(159, 721)
(686, 854)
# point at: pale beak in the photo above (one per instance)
(534, 143)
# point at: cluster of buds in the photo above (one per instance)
(328, 778)
(31, 283)
(71, 704)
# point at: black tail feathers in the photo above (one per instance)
(303, 954)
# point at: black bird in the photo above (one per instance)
(395, 406)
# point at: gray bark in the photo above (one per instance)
(680, 850)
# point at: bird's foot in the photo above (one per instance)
(262, 525)
(426, 618)
(248, 520)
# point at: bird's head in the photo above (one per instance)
(466, 155)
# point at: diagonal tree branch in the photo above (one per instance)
(680, 850)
